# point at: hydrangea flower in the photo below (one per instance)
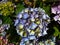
(4, 41)
(10, 44)
(57, 18)
(32, 23)
(34, 42)
(7, 8)
(3, 27)
(56, 10)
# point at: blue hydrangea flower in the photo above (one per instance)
(27, 22)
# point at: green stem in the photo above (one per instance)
(34, 3)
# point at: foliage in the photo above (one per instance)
(56, 31)
(47, 9)
(19, 8)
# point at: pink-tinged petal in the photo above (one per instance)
(5, 41)
(58, 6)
(54, 10)
(56, 18)
(59, 15)
(59, 18)
(1, 29)
(10, 44)
(58, 11)
(1, 37)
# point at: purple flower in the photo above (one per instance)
(29, 22)
(57, 18)
(6, 26)
(55, 9)
(10, 44)
(2, 29)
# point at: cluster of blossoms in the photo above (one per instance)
(3, 27)
(47, 42)
(34, 42)
(31, 23)
(7, 8)
(56, 10)
(4, 41)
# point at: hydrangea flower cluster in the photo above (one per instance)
(57, 18)
(7, 8)
(34, 42)
(4, 41)
(31, 23)
(3, 27)
(56, 10)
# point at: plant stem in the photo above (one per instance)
(34, 3)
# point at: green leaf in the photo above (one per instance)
(56, 31)
(59, 35)
(47, 9)
(7, 20)
(20, 7)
